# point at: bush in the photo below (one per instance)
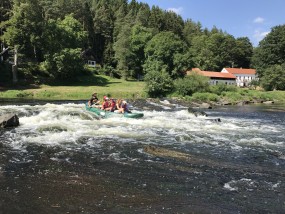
(158, 83)
(219, 88)
(24, 94)
(274, 78)
(233, 96)
(65, 64)
(191, 84)
(206, 97)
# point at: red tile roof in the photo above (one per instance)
(241, 71)
(213, 74)
(196, 69)
(218, 74)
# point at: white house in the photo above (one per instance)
(216, 77)
(243, 76)
(91, 63)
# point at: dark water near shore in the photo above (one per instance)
(62, 159)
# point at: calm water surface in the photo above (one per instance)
(62, 159)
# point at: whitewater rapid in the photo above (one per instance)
(170, 159)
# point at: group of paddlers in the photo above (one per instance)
(113, 105)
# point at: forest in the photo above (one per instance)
(129, 40)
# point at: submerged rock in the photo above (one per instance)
(163, 152)
(197, 112)
(214, 119)
(9, 120)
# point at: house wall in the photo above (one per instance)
(242, 80)
(214, 81)
(91, 63)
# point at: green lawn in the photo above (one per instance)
(82, 89)
(118, 88)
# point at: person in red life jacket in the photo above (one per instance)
(106, 104)
(113, 104)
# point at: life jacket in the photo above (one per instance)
(113, 105)
(106, 104)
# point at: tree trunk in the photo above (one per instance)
(15, 66)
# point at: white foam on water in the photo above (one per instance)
(56, 124)
(227, 186)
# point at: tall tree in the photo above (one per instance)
(143, 15)
(64, 41)
(103, 32)
(168, 49)
(5, 13)
(274, 78)
(190, 30)
(156, 19)
(25, 29)
(122, 51)
(242, 53)
(139, 38)
(173, 23)
(271, 50)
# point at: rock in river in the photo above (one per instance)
(9, 120)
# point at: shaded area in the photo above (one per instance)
(84, 80)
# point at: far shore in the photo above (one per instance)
(131, 90)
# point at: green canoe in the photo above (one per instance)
(106, 114)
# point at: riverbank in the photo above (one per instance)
(131, 89)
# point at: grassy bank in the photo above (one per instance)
(118, 88)
(239, 95)
(80, 90)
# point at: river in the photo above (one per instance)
(63, 159)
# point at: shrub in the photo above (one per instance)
(191, 84)
(219, 88)
(64, 65)
(206, 97)
(158, 83)
(233, 96)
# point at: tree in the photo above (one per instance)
(242, 52)
(156, 19)
(271, 50)
(143, 15)
(173, 23)
(139, 37)
(274, 78)
(169, 50)
(25, 29)
(103, 27)
(65, 64)
(190, 30)
(191, 83)
(64, 40)
(157, 79)
(202, 55)
(122, 51)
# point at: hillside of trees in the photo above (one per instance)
(53, 38)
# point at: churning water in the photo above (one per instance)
(63, 159)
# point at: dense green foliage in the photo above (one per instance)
(128, 39)
(191, 84)
(269, 59)
(158, 82)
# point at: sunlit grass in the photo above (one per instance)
(119, 88)
(82, 90)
